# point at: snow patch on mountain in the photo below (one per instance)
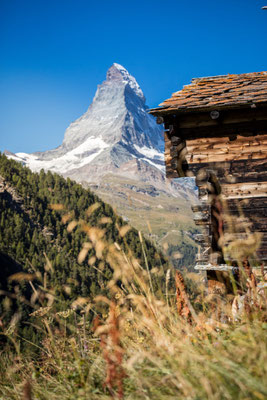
(151, 153)
(77, 158)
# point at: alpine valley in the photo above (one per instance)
(117, 149)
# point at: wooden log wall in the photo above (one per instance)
(234, 150)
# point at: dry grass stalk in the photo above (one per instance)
(251, 280)
(27, 391)
(112, 352)
(181, 297)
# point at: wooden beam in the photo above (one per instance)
(244, 190)
(225, 118)
(245, 128)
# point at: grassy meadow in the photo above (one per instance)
(154, 335)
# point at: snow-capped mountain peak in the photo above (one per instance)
(118, 72)
(115, 134)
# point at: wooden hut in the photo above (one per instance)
(216, 130)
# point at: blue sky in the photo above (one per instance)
(55, 52)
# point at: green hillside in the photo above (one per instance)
(33, 213)
(54, 228)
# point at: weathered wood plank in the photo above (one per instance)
(223, 149)
(244, 190)
(213, 158)
(235, 171)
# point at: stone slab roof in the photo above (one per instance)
(217, 92)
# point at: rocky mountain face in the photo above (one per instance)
(117, 149)
(116, 134)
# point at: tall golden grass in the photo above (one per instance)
(149, 338)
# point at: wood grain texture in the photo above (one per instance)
(210, 150)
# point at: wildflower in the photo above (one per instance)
(65, 314)
(127, 326)
(40, 312)
(140, 339)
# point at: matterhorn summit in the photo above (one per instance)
(115, 135)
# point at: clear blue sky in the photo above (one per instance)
(55, 52)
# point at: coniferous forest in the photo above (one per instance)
(44, 227)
